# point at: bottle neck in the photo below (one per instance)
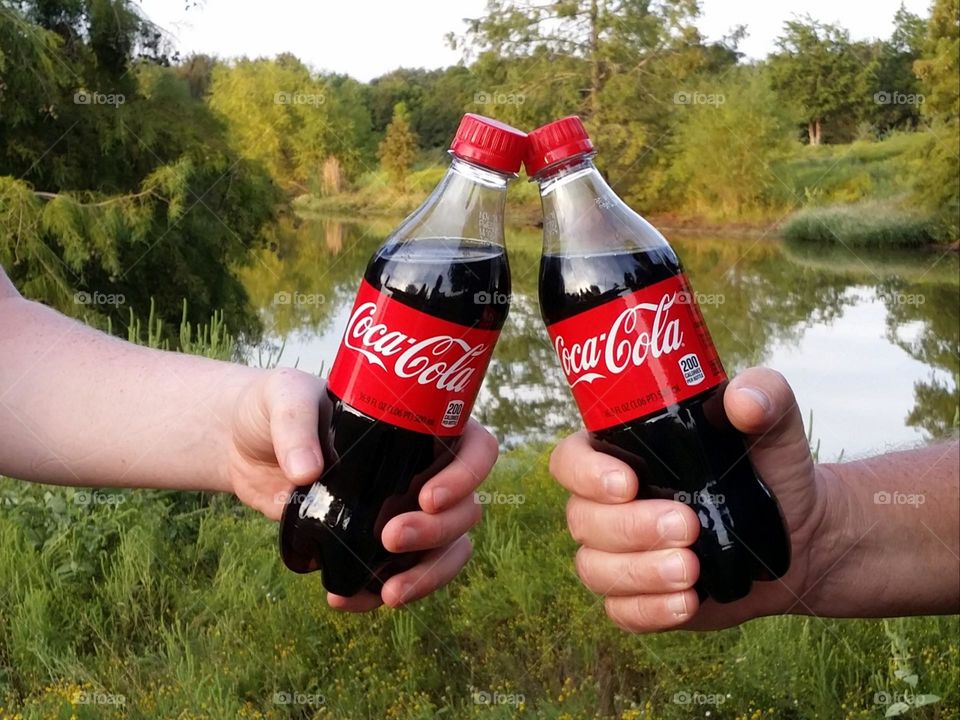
(467, 204)
(583, 215)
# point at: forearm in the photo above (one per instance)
(890, 540)
(79, 407)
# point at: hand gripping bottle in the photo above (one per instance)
(418, 340)
(640, 363)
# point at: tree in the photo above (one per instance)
(753, 130)
(114, 181)
(938, 180)
(818, 70)
(618, 63)
(399, 146)
(893, 93)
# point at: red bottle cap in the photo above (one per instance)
(556, 141)
(490, 143)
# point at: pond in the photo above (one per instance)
(869, 341)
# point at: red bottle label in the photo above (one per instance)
(408, 368)
(638, 354)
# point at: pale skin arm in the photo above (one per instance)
(78, 407)
(854, 555)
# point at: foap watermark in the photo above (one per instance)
(895, 297)
(299, 98)
(886, 97)
(298, 698)
(487, 298)
(95, 697)
(695, 97)
(694, 697)
(692, 297)
(96, 297)
(94, 97)
(495, 697)
(699, 497)
(298, 298)
(499, 498)
(884, 497)
(905, 700)
(498, 97)
(86, 498)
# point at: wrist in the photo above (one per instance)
(235, 382)
(834, 544)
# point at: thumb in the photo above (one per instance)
(292, 400)
(761, 405)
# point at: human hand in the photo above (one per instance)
(636, 553)
(274, 448)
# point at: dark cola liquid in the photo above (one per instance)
(375, 470)
(688, 451)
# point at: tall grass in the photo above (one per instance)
(178, 605)
(865, 224)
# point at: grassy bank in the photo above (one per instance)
(855, 194)
(177, 605)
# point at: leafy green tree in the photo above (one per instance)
(938, 184)
(617, 63)
(114, 181)
(752, 128)
(817, 69)
(399, 146)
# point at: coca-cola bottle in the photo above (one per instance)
(642, 368)
(428, 314)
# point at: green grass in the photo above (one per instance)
(178, 603)
(830, 174)
(863, 224)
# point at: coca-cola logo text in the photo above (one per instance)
(445, 361)
(627, 343)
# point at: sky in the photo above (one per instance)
(367, 38)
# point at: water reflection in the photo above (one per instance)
(871, 346)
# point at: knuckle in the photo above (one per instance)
(631, 526)
(575, 520)
(581, 561)
(555, 459)
(491, 444)
(635, 574)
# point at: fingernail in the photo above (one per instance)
(615, 483)
(441, 496)
(758, 396)
(672, 526)
(301, 461)
(408, 537)
(673, 569)
(677, 604)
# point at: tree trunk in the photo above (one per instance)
(814, 130)
(595, 70)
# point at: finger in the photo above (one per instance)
(591, 474)
(361, 602)
(761, 404)
(437, 568)
(638, 525)
(650, 613)
(421, 531)
(656, 572)
(475, 458)
(291, 400)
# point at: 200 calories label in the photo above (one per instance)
(638, 354)
(408, 368)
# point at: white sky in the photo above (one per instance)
(366, 38)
